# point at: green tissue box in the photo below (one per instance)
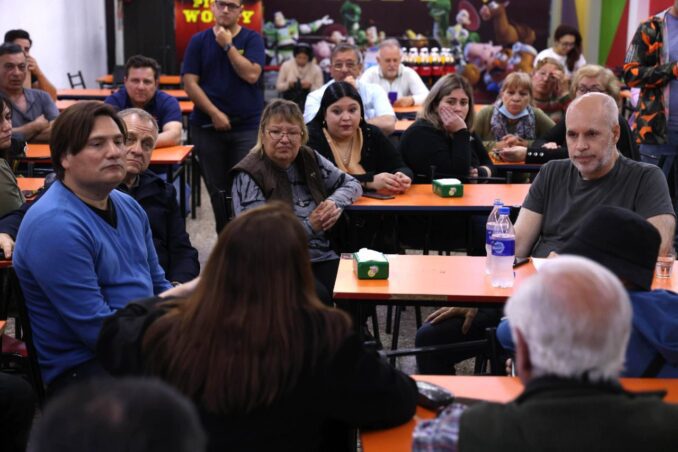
(448, 188)
(370, 264)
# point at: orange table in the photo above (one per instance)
(420, 197)
(492, 389)
(30, 183)
(186, 106)
(173, 155)
(440, 280)
(174, 80)
(101, 94)
(402, 125)
(406, 110)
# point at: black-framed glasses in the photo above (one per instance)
(350, 65)
(292, 135)
(227, 5)
(581, 89)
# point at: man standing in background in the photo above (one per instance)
(221, 72)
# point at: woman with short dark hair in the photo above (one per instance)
(10, 194)
(567, 49)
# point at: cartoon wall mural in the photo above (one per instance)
(435, 33)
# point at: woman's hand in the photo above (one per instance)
(445, 313)
(550, 145)
(514, 140)
(182, 290)
(473, 173)
(513, 154)
(452, 122)
(324, 216)
(386, 183)
(405, 181)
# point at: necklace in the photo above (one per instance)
(345, 152)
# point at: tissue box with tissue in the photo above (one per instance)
(448, 188)
(370, 264)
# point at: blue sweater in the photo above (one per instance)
(75, 270)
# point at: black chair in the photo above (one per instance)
(29, 364)
(76, 80)
(487, 352)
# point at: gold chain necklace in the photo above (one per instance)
(345, 153)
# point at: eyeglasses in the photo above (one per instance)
(348, 65)
(582, 89)
(277, 135)
(226, 5)
(566, 43)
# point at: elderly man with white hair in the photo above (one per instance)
(571, 323)
(394, 77)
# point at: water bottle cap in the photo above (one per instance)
(504, 210)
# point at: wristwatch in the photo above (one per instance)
(227, 47)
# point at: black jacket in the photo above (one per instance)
(557, 414)
(378, 154)
(353, 388)
(175, 253)
(536, 154)
(423, 145)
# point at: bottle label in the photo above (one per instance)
(504, 247)
(488, 236)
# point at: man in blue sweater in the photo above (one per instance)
(84, 249)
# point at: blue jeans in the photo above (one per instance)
(218, 153)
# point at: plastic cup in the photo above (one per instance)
(392, 96)
(664, 267)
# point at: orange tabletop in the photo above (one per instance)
(30, 183)
(405, 110)
(186, 106)
(493, 389)
(63, 104)
(421, 197)
(164, 79)
(90, 94)
(428, 279)
(402, 125)
(161, 156)
(101, 94)
(514, 165)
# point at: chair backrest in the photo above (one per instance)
(118, 75)
(27, 337)
(76, 80)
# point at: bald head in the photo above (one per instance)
(595, 104)
(573, 318)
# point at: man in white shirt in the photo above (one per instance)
(392, 76)
(346, 66)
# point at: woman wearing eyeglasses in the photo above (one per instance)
(280, 167)
(553, 144)
(566, 49)
(10, 195)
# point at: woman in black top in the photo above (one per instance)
(440, 137)
(267, 364)
(340, 133)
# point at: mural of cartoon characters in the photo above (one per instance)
(351, 13)
(282, 34)
(506, 31)
(439, 10)
(333, 34)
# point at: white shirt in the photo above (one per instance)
(375, 101)
(550, 53)
(407, 83)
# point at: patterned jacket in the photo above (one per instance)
(647, 67)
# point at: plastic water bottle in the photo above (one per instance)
(491, 222)
(503, 250)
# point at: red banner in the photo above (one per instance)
(192, 16)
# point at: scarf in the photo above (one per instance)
(524, 126)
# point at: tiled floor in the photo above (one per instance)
(203, 237)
